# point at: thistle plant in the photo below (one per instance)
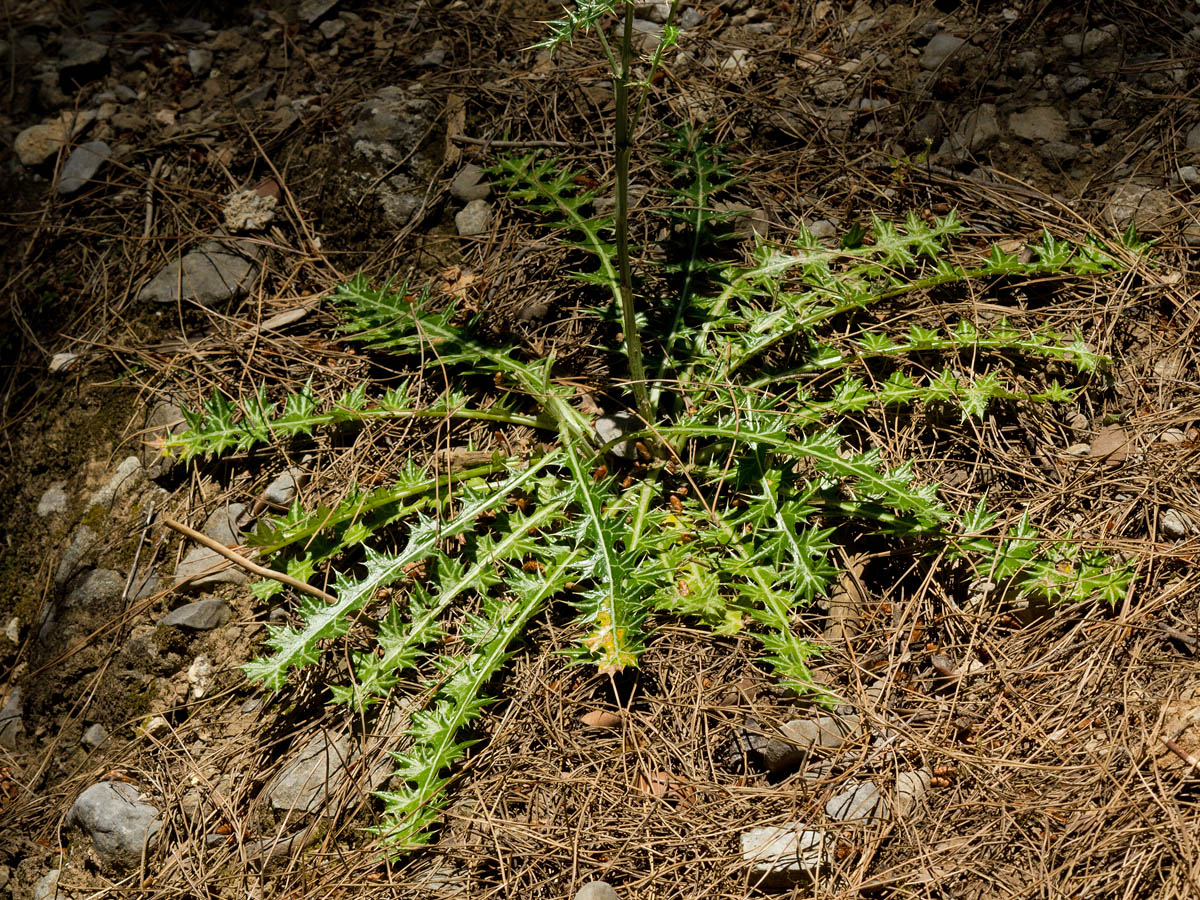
(759, 470)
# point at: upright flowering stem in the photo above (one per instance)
(633, 340)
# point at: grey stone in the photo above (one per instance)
(1186, 175)
(690, 18)
(332, 29)
(125, 93)
(200, 61)
(214, 272)
(38, 143)
(1192, 141)
(143, 587)
(474, 218)
(204, 566)
(47, 887)
(12, 725)
(283, 489)
(980, 128)
(202, 615)
(189, 27)
(860, 29)
(96, 587)
(82, 542)
(128, 476)
(1039, 123)
(1089, 41)
(911, 788)
(1139, 203)
(435, 56)
(613, 427)
(822, 229)
(1175, 524)
(858, 803)
(222, 525)
(255, 95)
(1059, 151)
(96, 736)
(653, 12)
(1027, 62)
(316, 772)
(201, 567)
(54, 501)
(784, 856)
(83, 163)
(122, 827)
(940, 48)
(795, 740)
(597, 890)
(470, 184)
(1170, 436)
(79, 54)
(393, 116)
(312, 10)
(826, 90)
(1076, 84)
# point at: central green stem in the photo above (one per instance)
(633, 341)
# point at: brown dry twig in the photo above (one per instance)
(241, 561)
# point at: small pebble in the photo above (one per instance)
(95, 736)
(53, 501)
(473, 219)
(597, 890)
(1175, 524)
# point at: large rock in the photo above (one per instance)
(214, 272)
(122, 827)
